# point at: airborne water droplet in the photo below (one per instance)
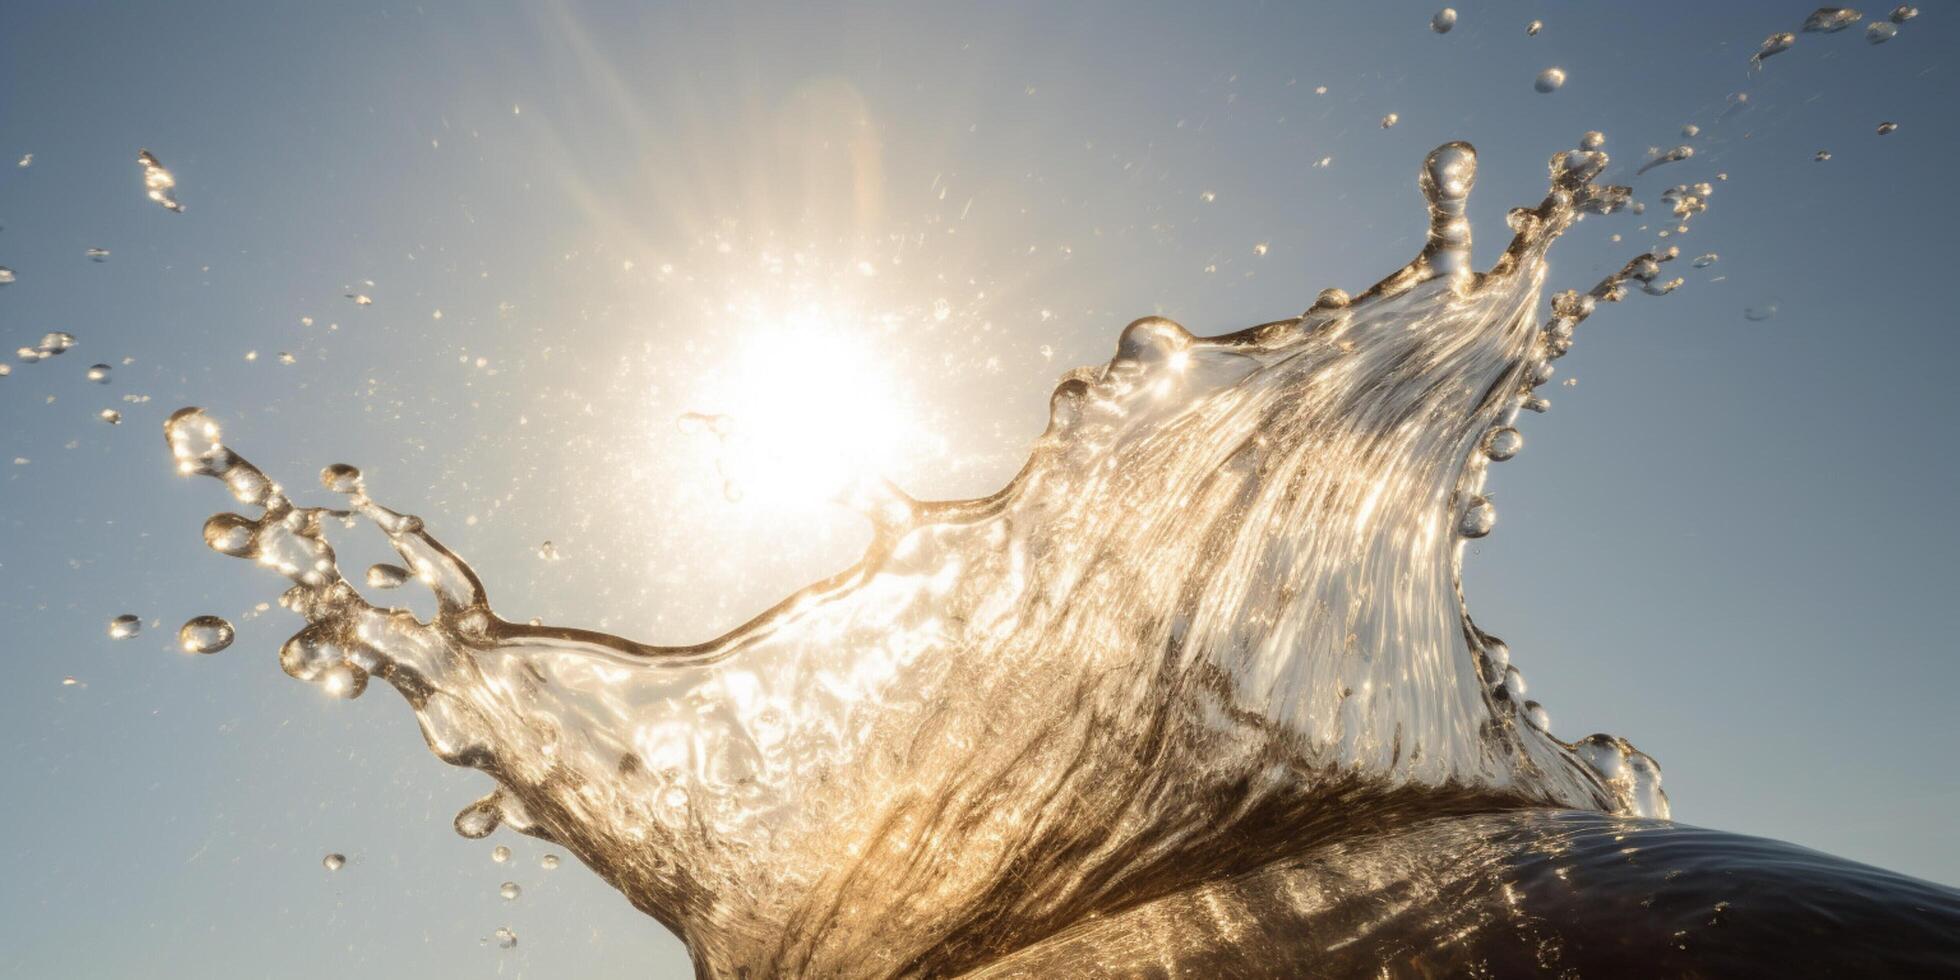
(548, 551)
(158, 182)
(205, 634)
(1822, 155)
(229, 534)
(1390, 120)
(1478, 518)
(1550, 80)
(505, 937)
(334, 862)
(98, 254)
(110, 416)
(1443, 21)
(99, 373)
(125, 626)
(1706, 260)
(1900, 14)
(1887, 128)
(509, 890)
(6, 275)
(500, 854)
(1532, 29)
(1760, 312)
(1881, 32)
(1774, 44)
(1829, 20)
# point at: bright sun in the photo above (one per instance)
(806, 408)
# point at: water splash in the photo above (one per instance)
(1215, 617)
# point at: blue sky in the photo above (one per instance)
(1731, 541)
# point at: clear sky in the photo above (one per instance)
(1732, 541)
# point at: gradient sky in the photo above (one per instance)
(1731, 541)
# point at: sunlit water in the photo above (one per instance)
(1213, 629)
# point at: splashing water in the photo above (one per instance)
(1216, 616)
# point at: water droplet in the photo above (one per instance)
(549, 862)
(1881, 31)
(6, 275)
(506, 939)
(341, 478)
(230, 534)
(125, 626)
(1774, 44)
(1514, 684)
(286, 358)
(344, 681)
(110, 416)
(98, 254)
(205, 634)
(57, 342)
(1690, 131)
(1593, 140)
(1443, 21)
(1332, 298)
(158, 182)
(1390, 120)
(500, 854)
(1887, 128)
(1550, 80)
(1760, 312)
(1532, 29)
(28, 160)
(1262, 248)
(1705, 260)
(548, 551)
(385, 576)
(72, 682)
(99, 373)
(1208, 196)
(1830, 20)
(941, 309)
(334, 862)
(361, 299)
(1536, 714)
(1478, 518)
(1900, 14)
(509, 891)
(1822, 155)
(1504, 443)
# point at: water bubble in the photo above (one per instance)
(1390, 120)
(1503, 443)
(205, 634)
(1887, 128)
(385, 576)
(1774, 44)
(334, 862)
(549, 862)
(158, 182)
(500, 854)
(99, 373)
(125, 626)
(1443, 21)
(1830, 20)
(509, 891)
(1477, 519)
(1900, 14)
(341, 478)
(1705, 260)
(98, 254)
(1532, 29)
(110, 416)
(1881, 31)
(506, 939)
(1550, 80)
(1822, 155)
